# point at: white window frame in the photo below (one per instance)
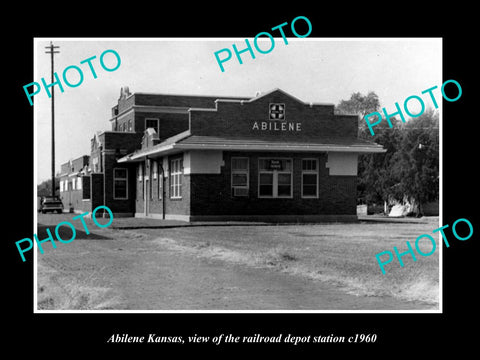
(79, 183)
(240, 171)
(158, 124)
(275, 178)
(176, 178)
(115, 178)
(310, 172)
(74, 183)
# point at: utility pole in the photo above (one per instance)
(51, 52)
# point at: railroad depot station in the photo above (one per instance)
(272, 157)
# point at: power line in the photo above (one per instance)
(52, 52)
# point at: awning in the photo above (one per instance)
(186, 141)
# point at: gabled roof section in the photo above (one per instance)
(271, 92)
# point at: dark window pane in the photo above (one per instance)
(121, 173)
(266, 190)
(284, 190)
(309, 179)
(120, 188)
(284, 179)
(266, 179)
(240, 164)
(239, 179)
(309, 190)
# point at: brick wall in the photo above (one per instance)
(127, 141)
(124, 104)
(118, 205)
(172, 206)
(185, 101)
(76, 199)
(75, 165)
(211, 194)
(170, 123)
(235, 119)
(96, 182)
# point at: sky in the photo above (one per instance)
(311, 69)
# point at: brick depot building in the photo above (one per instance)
(193, 158)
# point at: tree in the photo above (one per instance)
(409, 169)
(373, 170)
(45, 188)
(415, 166)
(360, 105)
(375, 181)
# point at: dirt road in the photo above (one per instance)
(128, 270)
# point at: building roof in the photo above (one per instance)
(186, 141)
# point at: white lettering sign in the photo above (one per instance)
(277, 126)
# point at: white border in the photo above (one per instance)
(35, 159)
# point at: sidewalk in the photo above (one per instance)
(147, 223)
(397, 219)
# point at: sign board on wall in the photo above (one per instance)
(277, 120)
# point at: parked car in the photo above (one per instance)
(51, 203)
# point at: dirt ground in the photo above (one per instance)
(116, 269)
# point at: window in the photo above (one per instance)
(73, 183)
(275, 178)
(309, 178)
(130, 129)
(176, 172)
(140, 172)
(151, 123)
(120, 184)
(240, 176)
(79, 183)
(61, 185)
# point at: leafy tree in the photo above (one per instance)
(45, 188)
(375, 181)
(409, 169)
(360, 105)
(373, 177)
(415, 166)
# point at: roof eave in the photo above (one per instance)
(283, 147)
